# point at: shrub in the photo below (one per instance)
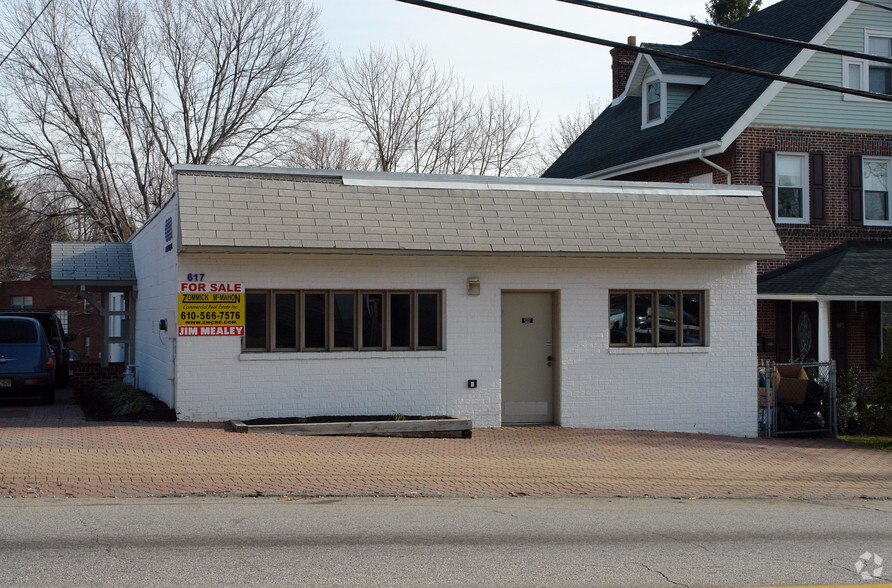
(123, 398)
(850, 395)
(880, 409)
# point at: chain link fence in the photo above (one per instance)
(797, 399)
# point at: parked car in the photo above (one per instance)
(27, 366)
(56, 335)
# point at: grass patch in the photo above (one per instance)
(875, 441)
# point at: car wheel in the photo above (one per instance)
(49, 396)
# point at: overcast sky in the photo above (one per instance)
(555, 75)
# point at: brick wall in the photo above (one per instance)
(799, 241)
(742, 158)
(84, 376)
(86, 325)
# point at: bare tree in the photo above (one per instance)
(413, 116)
(327, 149)
(567, 129)
(106, 95)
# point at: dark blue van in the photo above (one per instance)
(27, 366)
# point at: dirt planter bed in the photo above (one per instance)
(413, 426)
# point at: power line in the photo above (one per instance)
(646, 50)
(727, 30)
(33, 22)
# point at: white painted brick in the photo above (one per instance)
(710, 392)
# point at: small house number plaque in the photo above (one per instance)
(527, 320)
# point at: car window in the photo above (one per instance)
(17, 332)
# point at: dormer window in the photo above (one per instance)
(653, 102)
(873, 76)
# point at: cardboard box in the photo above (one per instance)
(790, 383)
(763, 397)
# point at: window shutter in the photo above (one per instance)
(817, 188)
(782, 344)
(873, 331)
(767, 177)
(856, 214)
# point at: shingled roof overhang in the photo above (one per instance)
(93, 265)
(854, 270)
(270, 210)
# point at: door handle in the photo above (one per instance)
(549, 360)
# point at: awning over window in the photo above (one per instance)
(853, 269)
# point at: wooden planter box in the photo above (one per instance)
(417, 427)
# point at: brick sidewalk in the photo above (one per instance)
(52, 451)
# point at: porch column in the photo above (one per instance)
(823, 330)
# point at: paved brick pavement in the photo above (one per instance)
(53, 451)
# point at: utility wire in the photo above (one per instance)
(33, 22)
(646, 50)
(727, 30)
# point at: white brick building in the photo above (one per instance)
(580, 303)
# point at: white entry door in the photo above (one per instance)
(528, 353)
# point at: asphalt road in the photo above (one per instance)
(440, 542)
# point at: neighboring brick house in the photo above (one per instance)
(824, 160)
(78, 317)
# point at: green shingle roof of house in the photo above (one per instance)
(850, 269)
(616, 138)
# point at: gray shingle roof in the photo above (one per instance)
(95, 264)
(855, 268)
(281, 210)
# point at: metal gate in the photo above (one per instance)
(794, 402)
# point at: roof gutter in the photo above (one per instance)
(712, 148)
(715, 166)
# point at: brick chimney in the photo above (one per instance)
(623, 59)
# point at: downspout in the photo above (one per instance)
(711, 164)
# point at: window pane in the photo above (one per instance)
(653, 101)
(286, 321)
(619, 318)
(789, 171)
(854, 80)
(314, 320)
(879, 79)
(643, 318)
(668, 319)
(255, 320)
(373, 320)
(400, 320)
(881, 46)
(63, 318)
(876, 176)
(789, 202)
(428, 320)
(691, 328)
(876, 206)
(343, 320)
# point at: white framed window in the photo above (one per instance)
(653, 102)
(791, 181)
(876, 203)
(22, 302)
(873, 76)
